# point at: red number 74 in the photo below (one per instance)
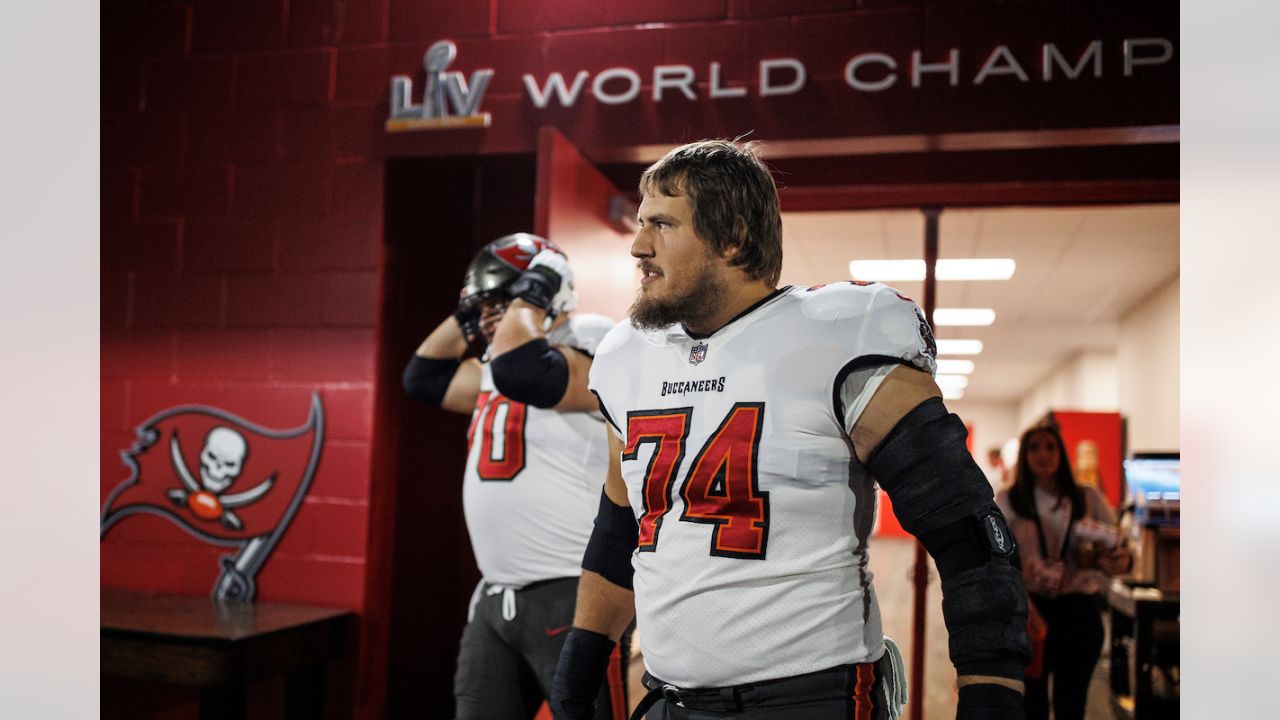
(721, 487)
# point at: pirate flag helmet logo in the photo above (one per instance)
(221, 478)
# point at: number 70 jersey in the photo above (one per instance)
(753, 513)
(533, 476)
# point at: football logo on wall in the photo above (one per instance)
(223, 479)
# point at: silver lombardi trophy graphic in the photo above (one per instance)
(438, 57)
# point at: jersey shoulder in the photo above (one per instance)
(874, 319)
(616, 355)
(582, 331)
(849, 299)
(620, 336)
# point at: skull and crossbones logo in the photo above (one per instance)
(221, 462)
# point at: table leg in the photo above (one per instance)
(304, 693)
(1121, 630)
(222, 703)
(1142, 627)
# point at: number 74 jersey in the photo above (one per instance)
(753, 513)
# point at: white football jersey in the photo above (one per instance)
(754, 514)
(533, 477)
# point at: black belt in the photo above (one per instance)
(822, 683)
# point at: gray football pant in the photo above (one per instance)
(505, 666)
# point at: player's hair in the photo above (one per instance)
(734, 200)
(1022, 493)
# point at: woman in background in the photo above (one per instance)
(1069, 546)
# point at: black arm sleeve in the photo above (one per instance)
(941, 496)
(534, 373)
(613, 540)
(580, 671)
(427, 379)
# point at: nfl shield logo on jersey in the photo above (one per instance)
(698, 353)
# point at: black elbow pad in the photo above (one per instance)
(612, 542)
(427, 379)
(535, 374)
(941, 496)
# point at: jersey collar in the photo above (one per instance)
(684, 332)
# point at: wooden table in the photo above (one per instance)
(222, 647)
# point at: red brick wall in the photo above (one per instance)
(241, 217)
(242, 204)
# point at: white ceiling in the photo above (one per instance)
(1079, 270)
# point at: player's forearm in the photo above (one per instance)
(523, 322)
(445, 342)
(603, 612)
(603, 607)
(940, 496)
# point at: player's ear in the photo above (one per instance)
(738, 239)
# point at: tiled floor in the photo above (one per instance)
(891, 562)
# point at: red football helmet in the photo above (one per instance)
(488, 281)
(499, 263)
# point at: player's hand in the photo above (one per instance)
(988, 701)
(547, 284)
(468, 318)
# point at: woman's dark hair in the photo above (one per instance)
(734, 201)
(1022, 495)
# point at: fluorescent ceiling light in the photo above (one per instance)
(952, 381)
(959, 347)
(976, 269)
(948, 269)
(955, 367)
(964, 316)
(952, 393)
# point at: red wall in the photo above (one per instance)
(241, 213)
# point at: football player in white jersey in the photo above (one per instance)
(516, 358)
(748, 425)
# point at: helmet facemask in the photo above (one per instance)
(485, 287)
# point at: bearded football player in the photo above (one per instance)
(749, 425)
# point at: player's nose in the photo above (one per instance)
(642, 244)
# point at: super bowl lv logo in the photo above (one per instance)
(223, 479)
(445, 91)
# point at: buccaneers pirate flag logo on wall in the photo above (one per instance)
(223, 479)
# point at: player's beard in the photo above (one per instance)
(699, 302)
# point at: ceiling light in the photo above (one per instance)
(976, 269)
(963, 316)
(952, 393)
(955, 367)
(949, 269)
(952, 381)
(959, 347)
